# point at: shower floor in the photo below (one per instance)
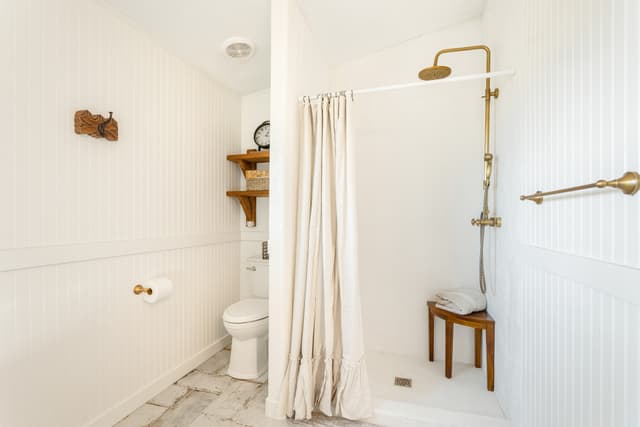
(460, 401)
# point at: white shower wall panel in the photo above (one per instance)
(566, 295)
(419, 179)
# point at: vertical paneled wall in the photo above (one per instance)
(565, 292)
(82, 220)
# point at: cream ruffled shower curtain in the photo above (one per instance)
(326, 369)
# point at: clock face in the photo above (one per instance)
(262, 135)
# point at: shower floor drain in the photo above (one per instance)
(402, 382)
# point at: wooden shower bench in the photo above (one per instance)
(478, 321)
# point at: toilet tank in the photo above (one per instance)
(258, 276)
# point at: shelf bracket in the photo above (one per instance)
(245, 166)
(248, 204)
(247, 200)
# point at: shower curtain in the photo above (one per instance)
(326, 369)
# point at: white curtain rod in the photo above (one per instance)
(509, 72)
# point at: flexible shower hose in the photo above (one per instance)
(483, 215)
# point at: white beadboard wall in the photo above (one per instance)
(82, 220)
(566, 274)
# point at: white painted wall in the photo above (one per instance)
(82, 220)
(255, 110)
(566, 295)
(419, 175)
(297, 68)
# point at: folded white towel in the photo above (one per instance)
(461, 300)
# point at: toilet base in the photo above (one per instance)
(248, 358)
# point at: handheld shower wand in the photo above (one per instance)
(485, 220)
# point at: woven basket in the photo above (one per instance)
(257, 180)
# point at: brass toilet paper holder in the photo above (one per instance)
(139, 289)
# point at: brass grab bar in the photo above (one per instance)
(629, 183)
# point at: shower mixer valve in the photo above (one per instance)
(494, 221)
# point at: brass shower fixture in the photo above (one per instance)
(437, 71)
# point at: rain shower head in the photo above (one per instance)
(434, 72)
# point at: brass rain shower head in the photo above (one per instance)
(434, 72)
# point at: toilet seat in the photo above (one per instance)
(247, 310)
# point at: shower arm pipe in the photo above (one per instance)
(501, 73)
(467, 48)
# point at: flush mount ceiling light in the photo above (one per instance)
(238, 48)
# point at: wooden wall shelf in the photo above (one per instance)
(248, 193)
(247, 198)
(249, 160)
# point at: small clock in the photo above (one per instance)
(262, 135)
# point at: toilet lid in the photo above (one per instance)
(247, 310)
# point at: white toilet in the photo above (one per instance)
(247, 321)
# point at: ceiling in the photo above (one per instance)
(345, 29)
(354, 28)
(196, 29)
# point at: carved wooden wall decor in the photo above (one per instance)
(95, 125)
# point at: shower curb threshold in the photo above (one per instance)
(413, 412)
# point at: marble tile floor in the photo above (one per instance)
(207, 397)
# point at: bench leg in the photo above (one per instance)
(490, 352)
(448, 365)
(478, 347)
(431, 337)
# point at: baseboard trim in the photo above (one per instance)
(272, 409)
(128, 405)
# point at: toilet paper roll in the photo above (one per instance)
(161, 288)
